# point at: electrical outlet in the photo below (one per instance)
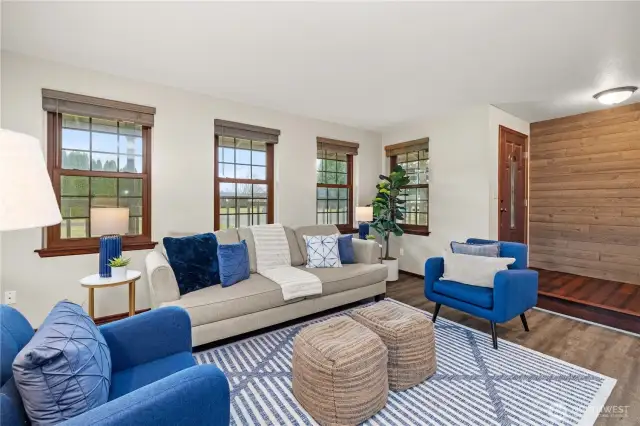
(10, 297)
(401, 251)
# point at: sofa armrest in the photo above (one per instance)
(433, 271)
(198, 395)
(366, 251)
(163, 286)
(148, 336)
(514, 291)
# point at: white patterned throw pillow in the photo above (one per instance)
(322, 251)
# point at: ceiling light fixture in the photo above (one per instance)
(615, 96)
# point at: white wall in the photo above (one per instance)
(182, 181)
(463, 175)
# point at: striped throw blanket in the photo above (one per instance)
(274, 262)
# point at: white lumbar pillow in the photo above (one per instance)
(473, 270)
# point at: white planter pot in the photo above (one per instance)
(392, 267)
(119, 273)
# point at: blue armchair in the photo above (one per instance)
(154, 379)
(514, 291)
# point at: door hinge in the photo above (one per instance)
(526, 155)
(526, 202)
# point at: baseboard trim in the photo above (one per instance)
(411, 274)
(115, 317)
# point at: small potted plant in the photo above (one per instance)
(119, 267)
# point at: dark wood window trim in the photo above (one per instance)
(57, 246)
(344, 228)
(217, 180)
(408, 228)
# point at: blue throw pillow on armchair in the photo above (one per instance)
(65, 369)
(194, 261)
(345, 247)
(234, 263)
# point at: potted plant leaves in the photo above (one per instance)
(119, 268)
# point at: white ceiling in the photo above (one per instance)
(369, 65)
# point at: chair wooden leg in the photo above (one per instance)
(494, 335)
(435, 313)
(524, 322)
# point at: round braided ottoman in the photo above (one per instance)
(409, 337)
(339, 371)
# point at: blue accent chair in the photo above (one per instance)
(514, 291)
(154, 379)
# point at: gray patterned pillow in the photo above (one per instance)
(322, 251)
(486, 250)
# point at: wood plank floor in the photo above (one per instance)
(608, 352)
(606, 302)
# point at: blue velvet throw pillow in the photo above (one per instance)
(486, 250)
(65, 369)
(345, 247)
(194, 260)
(234, 263)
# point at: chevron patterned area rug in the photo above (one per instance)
(474, 384)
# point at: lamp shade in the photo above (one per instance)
(364, 214)
(27, 199)
(109, 221)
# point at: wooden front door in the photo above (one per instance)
(512, 186)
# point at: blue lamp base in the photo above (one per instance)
(363, 230)
(110, 247)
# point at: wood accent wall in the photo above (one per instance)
(585, 194)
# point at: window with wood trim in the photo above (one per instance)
(413, 156)
(95, 162)
(244, 189)
(334, 183)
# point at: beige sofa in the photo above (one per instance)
(217, 313)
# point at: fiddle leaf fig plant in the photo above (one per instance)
(388, 205)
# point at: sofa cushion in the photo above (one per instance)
(322, 251)
(227, 236)
(65, 369)
(294, 250)
(312, 230)
(246, 235)
(126, 381)
(349, 277)
(216, 303)
(234, 263)
(194, 261)
(487, 250)
(345, 247)
(479, 296)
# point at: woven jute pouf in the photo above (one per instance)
(339, 371)
(409, 337)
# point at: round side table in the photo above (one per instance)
(96, 281)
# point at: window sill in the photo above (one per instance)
(347, 229)
(73, 251)
(417, 230)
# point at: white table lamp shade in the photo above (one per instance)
(27, 199)
(364, 214)
(109, 221)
